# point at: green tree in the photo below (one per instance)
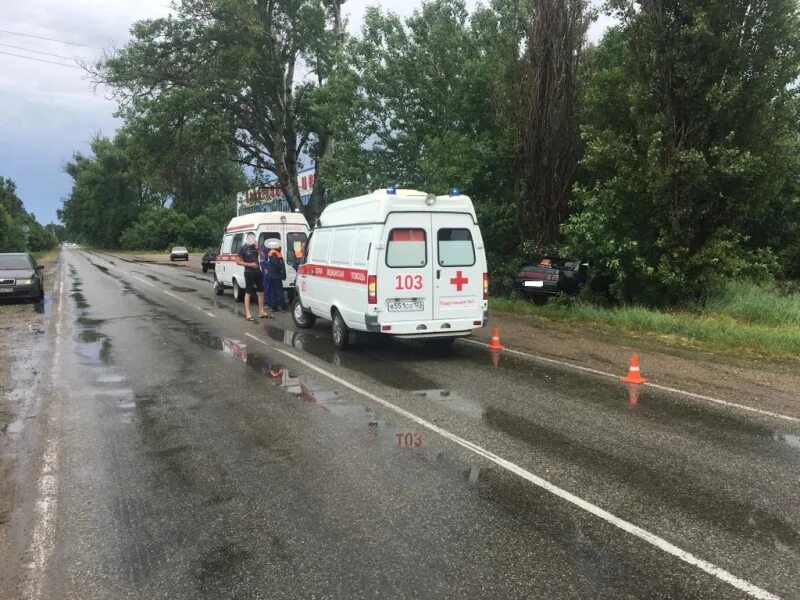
(430, 92)
(19, 229)
(186, 159)
(12, 237)
(108, 193)
(691, 137)
(236, 62)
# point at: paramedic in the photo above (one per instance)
(248, 258)
(276, 268)
(263, 263)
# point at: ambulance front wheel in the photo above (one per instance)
(340, 332)
(302, 318)
(238, 293)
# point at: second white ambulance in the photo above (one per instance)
(290, 229)
(399, 262)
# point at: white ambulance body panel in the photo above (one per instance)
(400, 262)
(290, 228)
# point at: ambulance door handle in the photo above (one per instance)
(438, 273)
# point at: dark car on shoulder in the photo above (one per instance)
(209, 259)
(20, 277)
(550, 276)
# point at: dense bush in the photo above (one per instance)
(162, 228)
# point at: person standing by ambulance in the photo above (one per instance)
(277, 273)
(253, 282)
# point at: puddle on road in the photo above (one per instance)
(15, 427)
(454, 401)
(184, 290)
(93, 350)
(792, 441)
(387, 371)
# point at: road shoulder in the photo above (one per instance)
(765, 384)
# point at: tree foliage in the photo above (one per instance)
(236, 63)
(691, 133)
(19, 229)
(108, 193)
(162, 228)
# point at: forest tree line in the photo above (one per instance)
(666, 154)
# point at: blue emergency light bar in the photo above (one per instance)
(391, 190)
(455, 192)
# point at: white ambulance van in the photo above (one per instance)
(291, 229)
(399, 262)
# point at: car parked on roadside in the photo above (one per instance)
(21, 277)
(179, 253)
(550, 276)
(209, 259)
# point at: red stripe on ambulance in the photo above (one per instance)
(338, 273)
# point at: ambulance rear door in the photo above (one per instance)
(405, 269)
(457, 266)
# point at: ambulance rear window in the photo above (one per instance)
(456, 248)
(407, 248)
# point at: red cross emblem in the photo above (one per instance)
(459, 280)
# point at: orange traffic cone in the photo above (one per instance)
(495, 358)
(495, 343)
(634, 374)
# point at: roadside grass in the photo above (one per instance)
(741, 318)
(45, 257)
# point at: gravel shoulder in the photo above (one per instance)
(24, 332)
(761, 383)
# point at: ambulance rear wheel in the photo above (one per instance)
(219, 289)
(302, 318)
(340, 332)
(238, 294)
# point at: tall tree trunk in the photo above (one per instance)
(547, 99)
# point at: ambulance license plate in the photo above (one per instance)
(405, 305)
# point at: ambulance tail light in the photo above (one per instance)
(372, 289)
(485, 286)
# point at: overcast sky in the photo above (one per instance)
(49, 111)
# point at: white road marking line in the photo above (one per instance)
(142, 280)
(657, 386)
(43, 537)
(642, 534)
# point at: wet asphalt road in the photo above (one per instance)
(191, 460)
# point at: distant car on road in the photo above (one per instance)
(209, 259)
(552, 275)
(179, 253)
(21, 277)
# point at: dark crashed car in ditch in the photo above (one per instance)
(20, 277)
(552, 275)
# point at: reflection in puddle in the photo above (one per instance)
(389, 371)
(792, 441)
(454, 401)
(15, 427)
